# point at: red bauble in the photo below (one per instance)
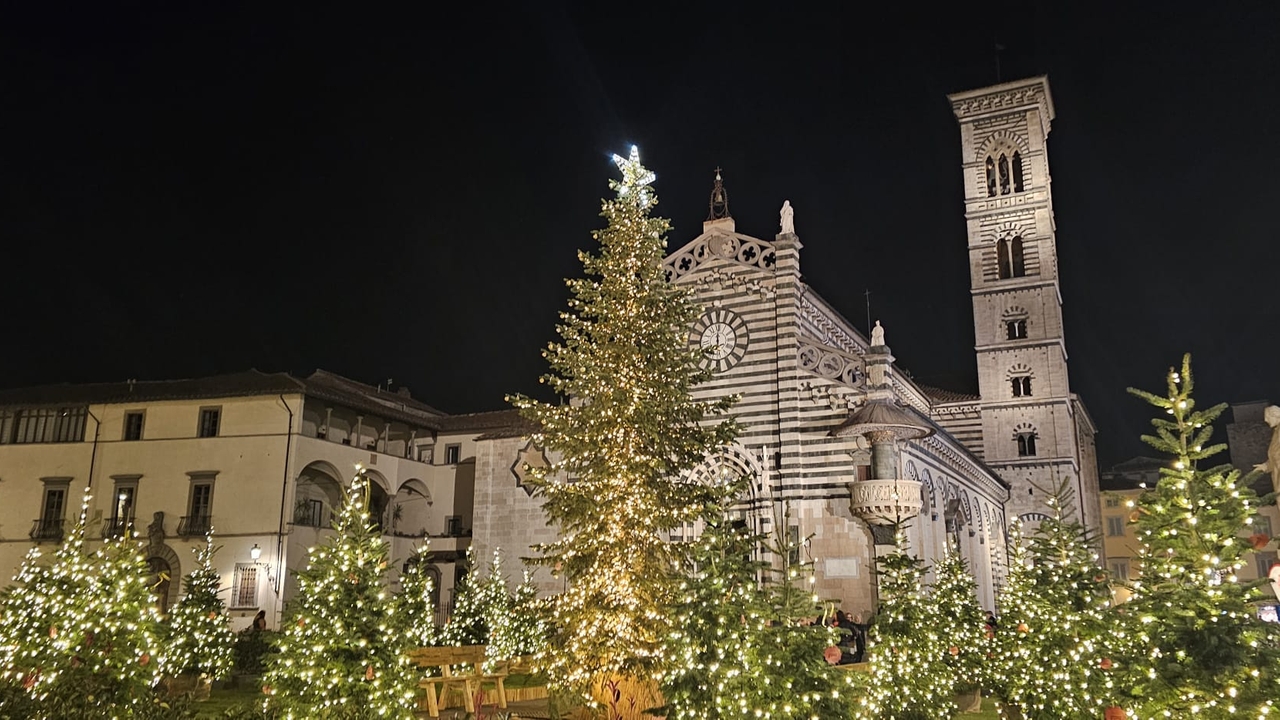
(991, 634)
(302, 621)
(144, 659)
(1022, 628)
(1105, 664)
(1114, 713)
(953, 650)
(1259, 541)
(368, 672)
(53, 631)
(831, 655)
(266, 689)
(29, 681)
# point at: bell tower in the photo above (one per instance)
(1035, 431)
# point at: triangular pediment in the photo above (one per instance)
(720, 244)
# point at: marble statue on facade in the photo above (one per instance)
(877, 335)
(788, 215)
(1272, 465)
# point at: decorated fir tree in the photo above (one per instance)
(477, 603)
(78, 635)
(909, 677)
(416, 603)
(199, 637)
(961, 621)
(342, 652)
(1203, 651)
(628, 432)
(522, 630)
(738, 649)
(1053, 654)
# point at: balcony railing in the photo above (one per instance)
(47, 530)
(115, 527)
(194, 525)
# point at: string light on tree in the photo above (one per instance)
(343, 649)
(199, 636)
(1201, 649)
(629, 432)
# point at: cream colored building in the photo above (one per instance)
(259, 458)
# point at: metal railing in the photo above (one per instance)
(194, 525)
(47, 529)
(115, 527)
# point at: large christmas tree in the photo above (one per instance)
(1057, 634)
(1204, 652)
(343, 648)
(78, 635)
(909, 677)
(739, 649)
(199, 637)
(628, 432)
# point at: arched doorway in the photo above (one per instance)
(160, 581)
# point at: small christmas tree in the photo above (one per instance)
(523, 629)
(629, 432)
(1057, 636)
(416, 602)
(78, 636)
(961, 621)
(1203, 651)
(477, 603)
(199, 637)
(732, 652)
(343, 648)
(909, 677)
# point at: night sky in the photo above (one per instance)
(191, 188)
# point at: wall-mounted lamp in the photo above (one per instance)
(255, 552)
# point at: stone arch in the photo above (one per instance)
(733, 460)
(317, 494)
(165, 575)
(928, 495)
(379, 498)
(410, 513)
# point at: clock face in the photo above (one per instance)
(721, 335)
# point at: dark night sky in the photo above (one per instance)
(190, 189)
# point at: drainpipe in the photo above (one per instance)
(284, 490)
(93, 454)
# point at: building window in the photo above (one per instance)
(210, 419)
(1016, 329)
(43, 425)
(1120, 569)
(245, 591)
(1010, 258)
(52, 511)
(793, 544)
(1262, 525)
(133, 425)
(1026, 444)
(123, 503)
(309, 512)
(1021, 386)
(453, 526)
(452, 454)
(1115, 526)
(199, 519)
(1016, 170)
(1113, 502)
(991, 176)
(1265, 560)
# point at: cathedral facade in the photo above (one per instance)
(838, 442)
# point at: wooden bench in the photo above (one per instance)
(472, 680)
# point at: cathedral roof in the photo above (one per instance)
(939, 395)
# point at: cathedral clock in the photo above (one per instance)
(721, 335)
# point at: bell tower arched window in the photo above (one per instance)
(1003, 169)
(1010, 260)
(1027, 443)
